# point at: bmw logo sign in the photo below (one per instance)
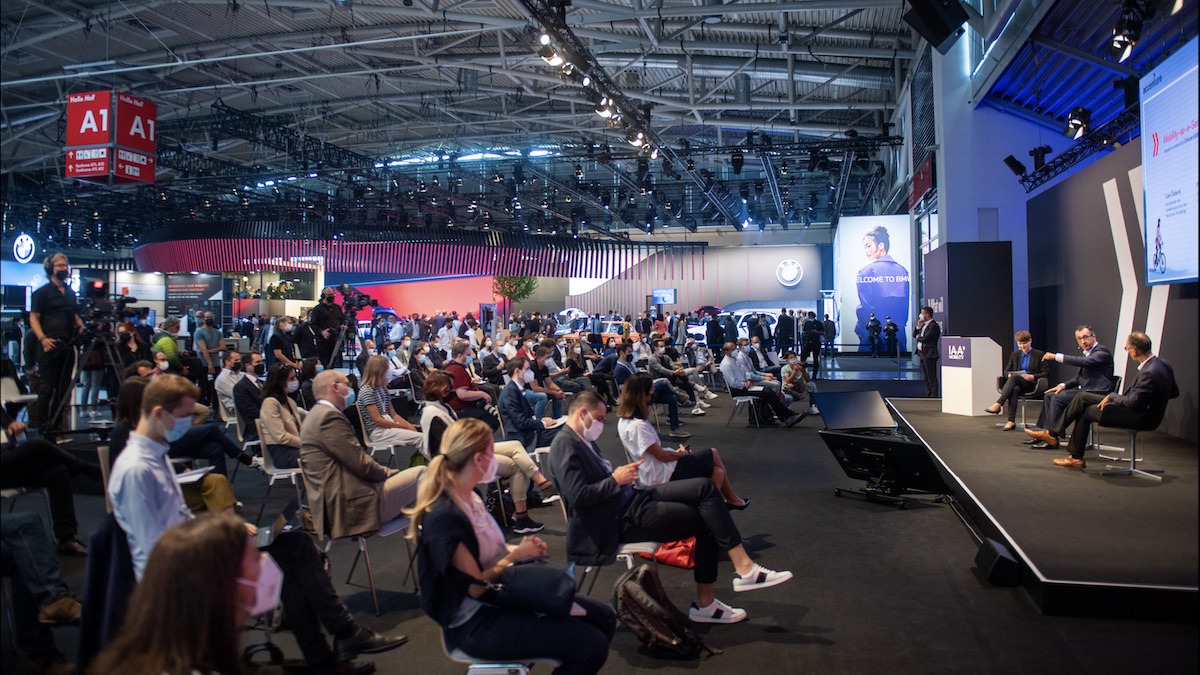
(24, 248)
(789, 273)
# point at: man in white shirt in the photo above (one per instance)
(743, 380)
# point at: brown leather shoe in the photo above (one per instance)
(1071, 462)
(1044, 436)
(65, 611)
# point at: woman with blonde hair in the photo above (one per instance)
(462, 545)
(380, 421)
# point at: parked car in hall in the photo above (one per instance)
(613, 329)
(744, 320)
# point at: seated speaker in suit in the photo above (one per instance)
(1095, 375)
(1151, 388)
(348, 491)
(1023, 369)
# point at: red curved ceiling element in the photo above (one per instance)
(416, 258)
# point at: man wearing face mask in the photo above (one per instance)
(349, 493)
(521, 422)
(247, 393)
(147, 501)
(327, 318)
(743, 380)
(164, 343)
(54, 318)
(226, 380)
(469, 399)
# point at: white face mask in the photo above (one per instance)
(662, 350)
(266, 588)
(528, 376)
(293, 386)
(593, 432)
(164, 366)
(489, 474)
(579, 350)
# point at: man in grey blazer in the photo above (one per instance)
(348, 491)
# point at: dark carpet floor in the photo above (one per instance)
(877, 589)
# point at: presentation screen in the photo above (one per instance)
(1169, 119)
(873, 256)
(663, 296)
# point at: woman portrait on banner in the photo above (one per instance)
(883, 288)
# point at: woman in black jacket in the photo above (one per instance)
(461, 546)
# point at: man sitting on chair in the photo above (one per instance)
(1154, 382)
(345, 486)
(1095, 376)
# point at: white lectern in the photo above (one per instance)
(969, 369)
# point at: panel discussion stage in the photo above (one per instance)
(1087, 544)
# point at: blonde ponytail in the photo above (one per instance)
(461, 441)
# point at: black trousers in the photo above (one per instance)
(681, 509)
(579, 642)
(56, 368)
(1010, 393)
(1084, 410)
(814, 348)
(207, 442)
(929, 369)
(767, 398)
(40, 464)
(308, 598)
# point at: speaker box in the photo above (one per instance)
(996, 564)
(938, 21)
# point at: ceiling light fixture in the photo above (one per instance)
(1077, 122)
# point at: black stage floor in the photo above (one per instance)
(1088, 542)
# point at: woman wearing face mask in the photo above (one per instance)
(419, 365)
(308, 370)
(383, 426)
(280, 346)
(660, 465)
(513, 461)
(279, 417)
(175, 628)
(610, 347)
(461, 544)
(577, 371)
(130, 345)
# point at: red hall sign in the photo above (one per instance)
(87, 118)
(136, 120)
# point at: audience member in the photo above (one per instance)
(349, 493)
(469, 399)
(40, 598)
(603, 510)
(247, 393)
(745, 381)
(280, 418)
(462, 546)
(381, 423)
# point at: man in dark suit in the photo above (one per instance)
(714, 334)
(1095, 375)
(247, 393)
(520, 422)
(349, 493)
(928, 334)
(1153, 386)
(785, 329)
(1022, 371)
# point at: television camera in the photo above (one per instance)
(102, 311)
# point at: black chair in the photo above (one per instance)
(1038, 392)
(1148, 422)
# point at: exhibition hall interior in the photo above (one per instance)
(511, 336)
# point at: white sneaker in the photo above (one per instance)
(717, 612)
(709, 395)
(697, 411)
(759, 577)
(813, 411)
(702, 404)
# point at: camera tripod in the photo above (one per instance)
(347, 322)
(111, 360)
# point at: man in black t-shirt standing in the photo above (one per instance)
(327, 321)
(54, 317)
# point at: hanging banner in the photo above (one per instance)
(87, 118)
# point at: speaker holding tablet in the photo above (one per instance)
(938, 21)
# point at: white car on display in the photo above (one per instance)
(744, 319)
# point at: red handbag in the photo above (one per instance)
(680, 553)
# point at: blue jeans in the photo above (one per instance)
(28, 555)
(538, 400)
(93, 382)
(663, 393)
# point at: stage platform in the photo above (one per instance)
(1088, 544)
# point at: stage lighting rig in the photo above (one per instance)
(1039, 156)
(1077, 122)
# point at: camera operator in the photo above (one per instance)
(327, 318)
(54, 317)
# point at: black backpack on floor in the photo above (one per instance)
(643, 606)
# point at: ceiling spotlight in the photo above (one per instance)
(691, 164)
(1039, 156)
(578, 172)
(654, 153)
(1128, 30)
(1077, 122)
(606, 108)
(738, 159)
(783, 168)
(636, 139)
(550, 56)
(544, 39)
(568, 68)
(1015, 166)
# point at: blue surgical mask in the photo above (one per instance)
(182, 424)
(746, 348)
(470, 358)
(351, 398)
(320, 367)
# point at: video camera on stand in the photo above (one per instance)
(102, 311)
